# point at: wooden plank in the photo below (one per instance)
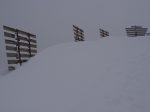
(6, 34)
(27, 50)
(24, 60)
(10, 42)
(78, 34)
(33, 41)
(16, 61)
(81, 30)
(136, 30)
(32, 55)
(11, 48)
(22, 32)
(9, 29)
(24, 50)
(25, 55)
(33, 46)
(77, 28)
(27, 45)
(11, 54)
(19, 31)
(26, 33)
(105, 33)
(132, 36)
(12, 61)
(148, 34)
(132, 29)
(10, 68)
(33, 51)
(23, 38)
(136, 26)
(136, 33)
(24, 44)
(32, 35)
(26, 39)
(139, 32)
(78, 37)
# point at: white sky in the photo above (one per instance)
(52, 20)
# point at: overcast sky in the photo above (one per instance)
(52, 20)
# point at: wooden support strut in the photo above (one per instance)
(29, 47)
(18, 48)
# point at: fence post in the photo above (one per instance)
(29, 46)
(18, 47)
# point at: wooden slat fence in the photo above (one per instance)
(20, 46)
(103, 33)
(135, 31)
(78, 34)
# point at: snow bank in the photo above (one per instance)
(109, 75)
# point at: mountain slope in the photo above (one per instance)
(109, 75)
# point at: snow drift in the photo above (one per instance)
(109, 75)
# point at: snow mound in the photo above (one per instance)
(108, 75)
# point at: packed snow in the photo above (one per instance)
(108, 75)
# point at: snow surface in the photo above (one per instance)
(108, 75)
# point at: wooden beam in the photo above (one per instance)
(34, 46)
(9, 29)
(33, 41)
(10, 42)
(6, 34)
(23, 38)
(12, 61)
(27, 50)
(25, 33)
(11, 54)
(10, 68)
(11, 48)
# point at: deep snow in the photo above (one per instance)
(108, 75)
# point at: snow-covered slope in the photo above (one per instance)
(109, 75)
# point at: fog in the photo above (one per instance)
(52, 20)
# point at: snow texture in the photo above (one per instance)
(108, 75)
